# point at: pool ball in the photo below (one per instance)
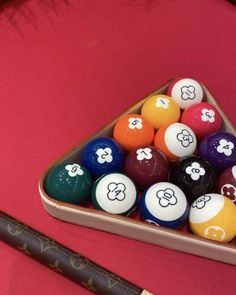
(70, 182)
(160, 110)
(102, 155)
(146, 165)
(114, 193)
(176, 141)
(164, 204)
(203, 118)
(227, 183)
(219, 148)
(132, 131)
(212, 216)
(194, 176)
(185, 92)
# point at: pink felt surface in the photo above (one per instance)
(67, 70)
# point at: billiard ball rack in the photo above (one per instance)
(180, 240)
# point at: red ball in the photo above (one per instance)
(146, 166)
(203, 118)
(227, 183)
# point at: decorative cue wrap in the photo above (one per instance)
(64, 260)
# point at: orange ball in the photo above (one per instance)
(160, 110)
(132, 131)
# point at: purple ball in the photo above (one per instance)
(219, 149)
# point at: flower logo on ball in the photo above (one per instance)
(162, 102)
(188, 92)
(135, 123)
(104, 155)
(74, 170)
(195, 171)
(201, 202)
(185, 138)
(145, 153)
(229, 191)
(225, 147)
(116, 191)
(214, 233)
(166, 197)
(208, 115)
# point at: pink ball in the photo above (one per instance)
(203, 118)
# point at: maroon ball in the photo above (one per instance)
(146, 166)
(227, 183)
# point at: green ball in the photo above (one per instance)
(69, 183)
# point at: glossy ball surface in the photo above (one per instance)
(185, 92)
(176, 141)
(227, 183)
(102, 155)
(70, 183)
(146, 165)
(212, 216)
(132, 131)
(194, 176)
(219, 148)
(164, 204)
(114, 193)
(203, 118)
(160, 110)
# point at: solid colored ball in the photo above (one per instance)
(194, 176)
(203, 118)
(114, 193)
(160, 110)
(212, 216)
(219, 148)
(185, 92)
(146, 165)
(164, 204)
(102, 155)
(176, 141)
(132, 131)
(227, 183)
(71, 183)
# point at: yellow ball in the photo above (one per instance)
(160, 110)
(213, 216)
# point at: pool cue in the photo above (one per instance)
(64, 260)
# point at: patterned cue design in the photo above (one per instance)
(64, 260)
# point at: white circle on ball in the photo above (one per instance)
(116, 193)
(187, 92)
(206, 207)
(180, 140)
(165, 201)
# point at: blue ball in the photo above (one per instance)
(164, 204)
(102, 155)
